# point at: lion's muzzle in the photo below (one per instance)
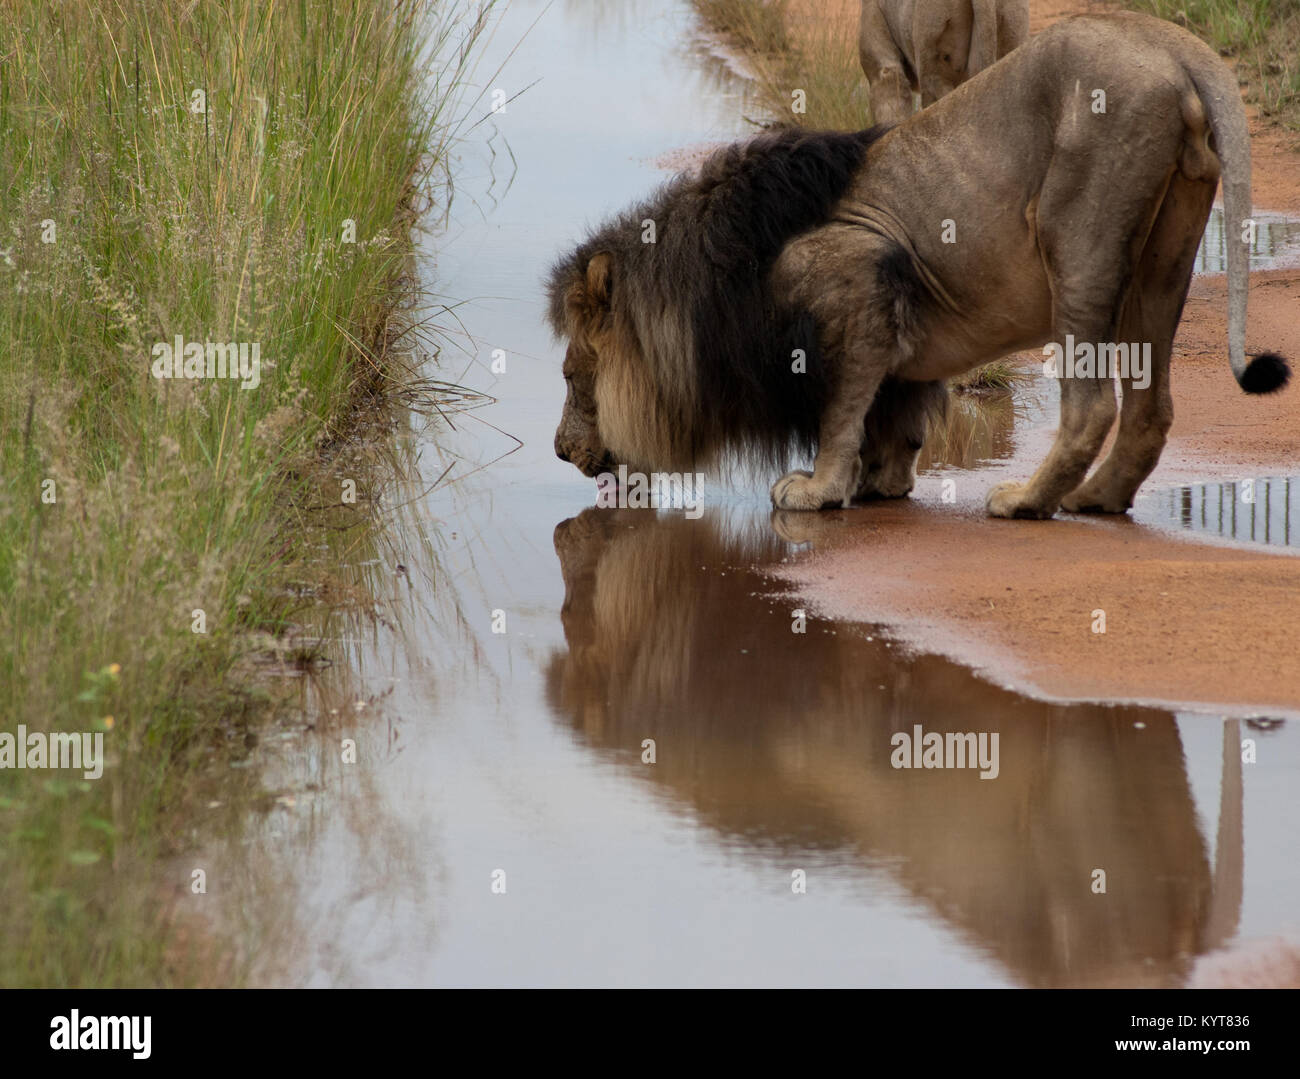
(584, 460)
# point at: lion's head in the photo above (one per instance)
(587, 322)
(618, 410)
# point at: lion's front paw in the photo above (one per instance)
(1009, 500)
(801, 491)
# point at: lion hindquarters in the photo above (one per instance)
(1013, 25)
(954, 40)
(1196, 159)
(1149, 320)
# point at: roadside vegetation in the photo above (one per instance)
(785, 53)
(241, 171)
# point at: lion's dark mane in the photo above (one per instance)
(718, 234)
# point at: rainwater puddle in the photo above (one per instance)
(596, 752)
(1275, 246)
(1253, 510)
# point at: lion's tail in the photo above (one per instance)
(1216, 86)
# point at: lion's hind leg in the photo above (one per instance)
(1092, 235)
(1087, 413)
(1147, 328)
(887, 71)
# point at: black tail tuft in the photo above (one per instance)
(1266, 373)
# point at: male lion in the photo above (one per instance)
(805, 283)
(932, 46)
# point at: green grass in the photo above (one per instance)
(1262, 35)
(128, 215)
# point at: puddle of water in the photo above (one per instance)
(1276, 243)
(780, 742)
(1257, 510)
(514, 760)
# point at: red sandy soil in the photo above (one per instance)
(1186, 621)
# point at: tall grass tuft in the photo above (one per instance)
(758, 26)
(806, 64)
(235, 171)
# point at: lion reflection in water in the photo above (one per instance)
(783, 739)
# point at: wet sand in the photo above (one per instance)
(1184, 622)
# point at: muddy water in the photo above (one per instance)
(502, 824)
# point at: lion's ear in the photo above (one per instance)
(600, 278)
